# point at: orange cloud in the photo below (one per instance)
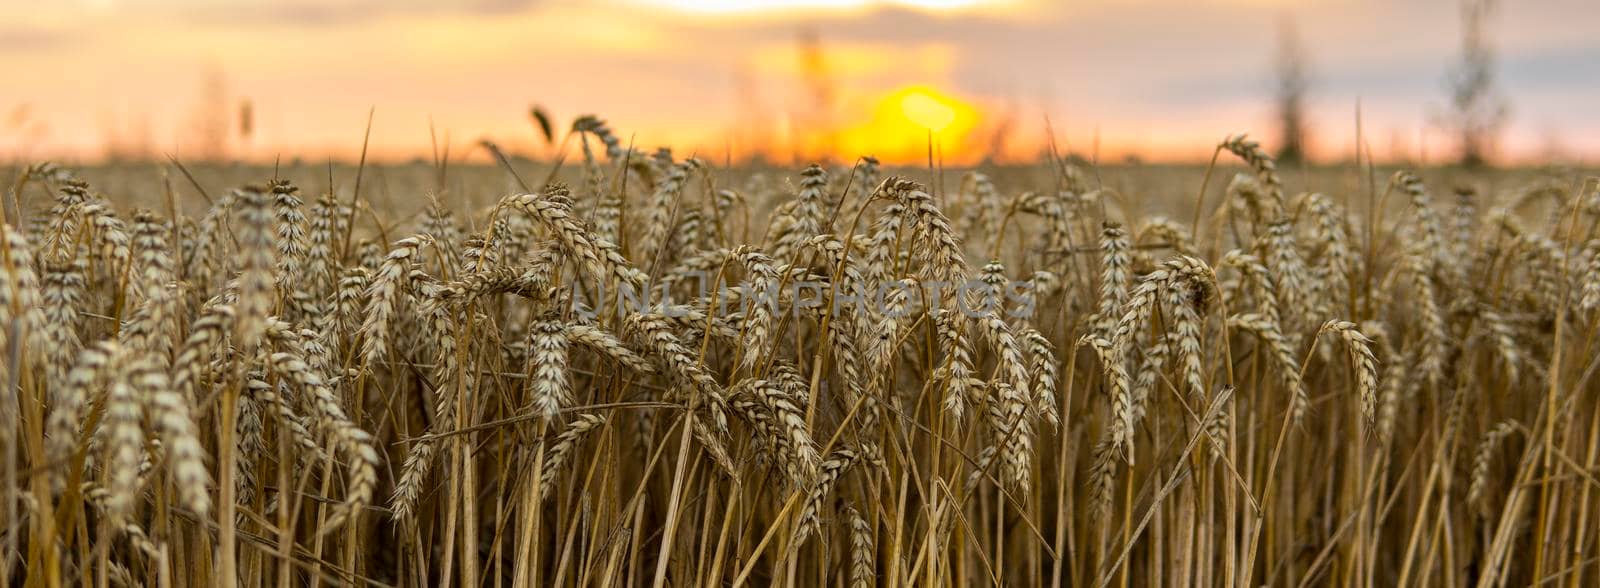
(731, 7)
(862, 60)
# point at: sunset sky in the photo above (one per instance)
(1161, 79)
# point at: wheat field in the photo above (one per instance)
(640, 369)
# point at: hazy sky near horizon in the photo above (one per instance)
(1164, 79)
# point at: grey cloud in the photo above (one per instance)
(1164, 52)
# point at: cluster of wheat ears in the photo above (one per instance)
(1376, 388)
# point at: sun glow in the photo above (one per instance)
(904, 122)
(928, 111)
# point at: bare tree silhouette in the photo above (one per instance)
(1477, 110)
(815, 125)
(209, 123)
(1292, 83)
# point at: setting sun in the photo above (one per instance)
(906, 119)
(928, 111)
(795, 293)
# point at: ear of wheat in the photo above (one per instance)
(679, 374)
